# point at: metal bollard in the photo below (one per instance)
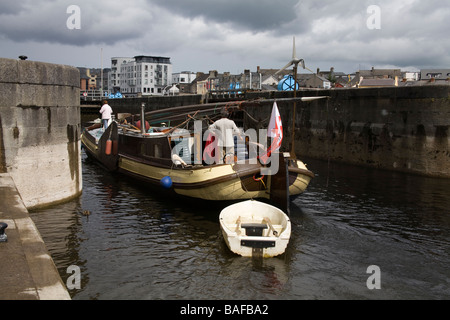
(3, 237)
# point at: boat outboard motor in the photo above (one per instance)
(3, 237)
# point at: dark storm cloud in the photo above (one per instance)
(10, 7)
(255, 15)
(46, 21)
(235, 34)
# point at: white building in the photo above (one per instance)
(141, 75)
(183, 77)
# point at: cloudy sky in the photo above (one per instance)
(230, 35)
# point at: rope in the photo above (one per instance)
(260, 179)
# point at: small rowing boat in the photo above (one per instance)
(255, 229)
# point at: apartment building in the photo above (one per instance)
(141, 75)
(114, 74)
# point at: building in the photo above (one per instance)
(411, 76)
(183, 77)
(337, 79)
(141, 75)
(376, 78)
(370, 83)
(202, 82)
(246, 80)
(317, 81)
(436, 74)
(91, 87)
(88, 79)
(114, 75)
(380, 73)
(183, 81)
(225, 82)
(269, 81)
(91, 78)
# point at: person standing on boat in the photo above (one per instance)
(226, 128)
(106, 112)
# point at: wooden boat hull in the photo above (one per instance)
(255, 229)
(97, 146)
(299, 177)
(217, 182)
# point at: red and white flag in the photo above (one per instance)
(275, 131)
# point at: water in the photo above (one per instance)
(136, 244)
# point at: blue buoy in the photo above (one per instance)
(166, 182)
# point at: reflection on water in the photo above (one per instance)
(136, 244)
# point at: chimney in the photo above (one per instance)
(318, 70)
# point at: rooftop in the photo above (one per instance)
(152, 59)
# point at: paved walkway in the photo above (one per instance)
(27, 272)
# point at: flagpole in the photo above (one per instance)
(101, 72)
(293, 156)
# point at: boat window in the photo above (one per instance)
(157, 150)
(143, 149)
(183, 147)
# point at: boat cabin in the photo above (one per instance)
(164, 148)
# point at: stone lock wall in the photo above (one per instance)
(399, 128)
(395, 128)
(40, 130)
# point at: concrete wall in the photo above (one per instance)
(40, 130)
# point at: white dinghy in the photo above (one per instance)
(253, 228)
